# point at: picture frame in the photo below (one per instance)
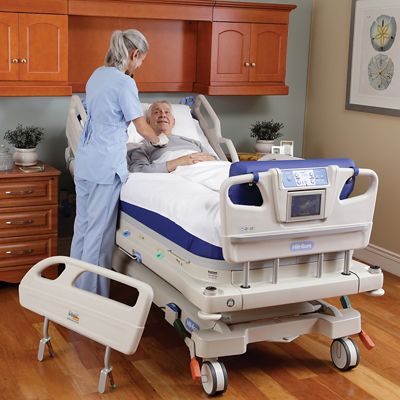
(373, 75)
(276, 150)
(287, 147)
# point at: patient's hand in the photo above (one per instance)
(190, 159)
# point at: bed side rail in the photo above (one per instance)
(211, 126)
(255, 233)
(75, 121)
(113, 324)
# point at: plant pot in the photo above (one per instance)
(25, 157)
(264, 146)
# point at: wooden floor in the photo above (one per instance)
(160, 368)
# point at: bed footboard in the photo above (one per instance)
(294, 221)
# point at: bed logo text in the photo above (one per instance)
(302, 246)
(246, 229)
(191, 326)
(73, 316)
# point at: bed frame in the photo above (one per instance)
(261, 291)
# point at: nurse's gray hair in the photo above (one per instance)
(121, 45)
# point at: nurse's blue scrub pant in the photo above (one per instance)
(94, 230)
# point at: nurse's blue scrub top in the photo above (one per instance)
(112, 101)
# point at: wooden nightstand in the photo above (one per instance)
(28, 220)
(250, 156)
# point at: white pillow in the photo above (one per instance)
(184, 124)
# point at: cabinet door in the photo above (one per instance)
(268, 52)
(8, 46)
(43, 48)
(230, 52)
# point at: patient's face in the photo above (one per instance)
(161, 118)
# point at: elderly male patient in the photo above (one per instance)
(147, 158)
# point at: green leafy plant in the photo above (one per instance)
(24, 137)
(266, 130)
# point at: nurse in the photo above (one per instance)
(112, 102)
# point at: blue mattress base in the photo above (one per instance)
(172, 231)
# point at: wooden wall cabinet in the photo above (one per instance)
(207, 46)
(243, 58)
(170, 65)
(33, 54)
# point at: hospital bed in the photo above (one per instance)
(281, 236)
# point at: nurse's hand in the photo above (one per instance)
(162, 142)
(190, 159)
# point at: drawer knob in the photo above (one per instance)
(21, 192)
(15, 61)
(19, 252)
(23, 60)
(23, 222)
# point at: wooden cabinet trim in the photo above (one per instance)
(174, 10)
(35, 6)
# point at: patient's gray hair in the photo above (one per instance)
(121, 45)
(148, 112)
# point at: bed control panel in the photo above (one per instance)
(300, 178)
(302, 193)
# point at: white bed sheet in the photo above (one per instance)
(189, 196)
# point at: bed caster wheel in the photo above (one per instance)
(345, 354)
(214, 377)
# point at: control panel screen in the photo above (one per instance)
(296, 178)
(307, 205)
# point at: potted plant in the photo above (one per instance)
(266, 132)
(24, 139)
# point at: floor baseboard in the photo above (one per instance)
(375, 255)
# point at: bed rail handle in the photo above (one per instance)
(104, 320)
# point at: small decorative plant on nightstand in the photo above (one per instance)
(266, 132)
(24, 139)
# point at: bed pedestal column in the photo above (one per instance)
(275, 270)
(246, 274)
(320, 263)
(347, 259)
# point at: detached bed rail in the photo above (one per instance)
(109, 322)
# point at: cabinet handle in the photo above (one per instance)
(247, 64)
(253, 64)
(23, 222)
(22, 192)
(19, 252)
(15, 61)
(23, 61)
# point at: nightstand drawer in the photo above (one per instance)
(28, 221)
(23, 192)
(26, 251)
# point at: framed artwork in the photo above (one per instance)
(373, 77)
(287, 147)
(276, 150)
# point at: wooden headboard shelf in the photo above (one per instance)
(210, 47)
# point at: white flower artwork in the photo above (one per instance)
(380, 71)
